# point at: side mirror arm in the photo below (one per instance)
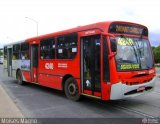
(113, 54)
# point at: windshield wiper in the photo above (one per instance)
(135, 53)
(139, 51)
(138, 48)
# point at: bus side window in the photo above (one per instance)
(25, 51)
(5, 53)
(67, 46)
(16, 52)
(47, 49)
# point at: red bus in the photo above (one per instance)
(106, 60)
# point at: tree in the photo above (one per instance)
(1, 53)
(156, 52)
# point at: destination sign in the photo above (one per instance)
(128, 29)
(125, 41)
(129, 66)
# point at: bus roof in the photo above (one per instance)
(103, 26)
(14, 42)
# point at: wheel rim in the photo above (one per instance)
(72, 89)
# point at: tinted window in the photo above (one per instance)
(5, 52)
(47, 49)
(67, 46)
(106, 69)
(16, 52)
(24, 46)
(16, 48)
(24, 51)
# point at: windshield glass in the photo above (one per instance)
(133, 54)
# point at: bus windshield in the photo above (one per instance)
(133, 54)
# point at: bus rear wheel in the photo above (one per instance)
(71, 89)
(19, 78)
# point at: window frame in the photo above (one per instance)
(53, 40)
(70, 36)
(16, 51)
(5, 53)
(24, 51)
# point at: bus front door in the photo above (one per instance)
(34, 63)
(90, 65)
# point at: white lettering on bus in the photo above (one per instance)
(151, 71)
(49, 66)
(90, 32)
(143, 72)
(62, 65)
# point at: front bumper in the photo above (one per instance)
(121, 91)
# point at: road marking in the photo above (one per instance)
(128, 109)
(135, 111)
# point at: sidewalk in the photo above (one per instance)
(158, 75)
(157, 71)
(8, 108)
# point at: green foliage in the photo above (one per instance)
(153, 47)
(156, 52)
(1, 53)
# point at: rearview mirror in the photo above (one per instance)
(113, 44)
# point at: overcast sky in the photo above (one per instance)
(55, 15)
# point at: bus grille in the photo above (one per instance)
(135, 91)
(136, 83)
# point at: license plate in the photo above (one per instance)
(141, 88)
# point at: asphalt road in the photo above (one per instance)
(41, 102)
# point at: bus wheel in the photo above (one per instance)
(71, 89)
(19, 78)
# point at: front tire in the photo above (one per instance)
(71, 89)
(19, 78)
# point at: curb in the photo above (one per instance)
(158, 75)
